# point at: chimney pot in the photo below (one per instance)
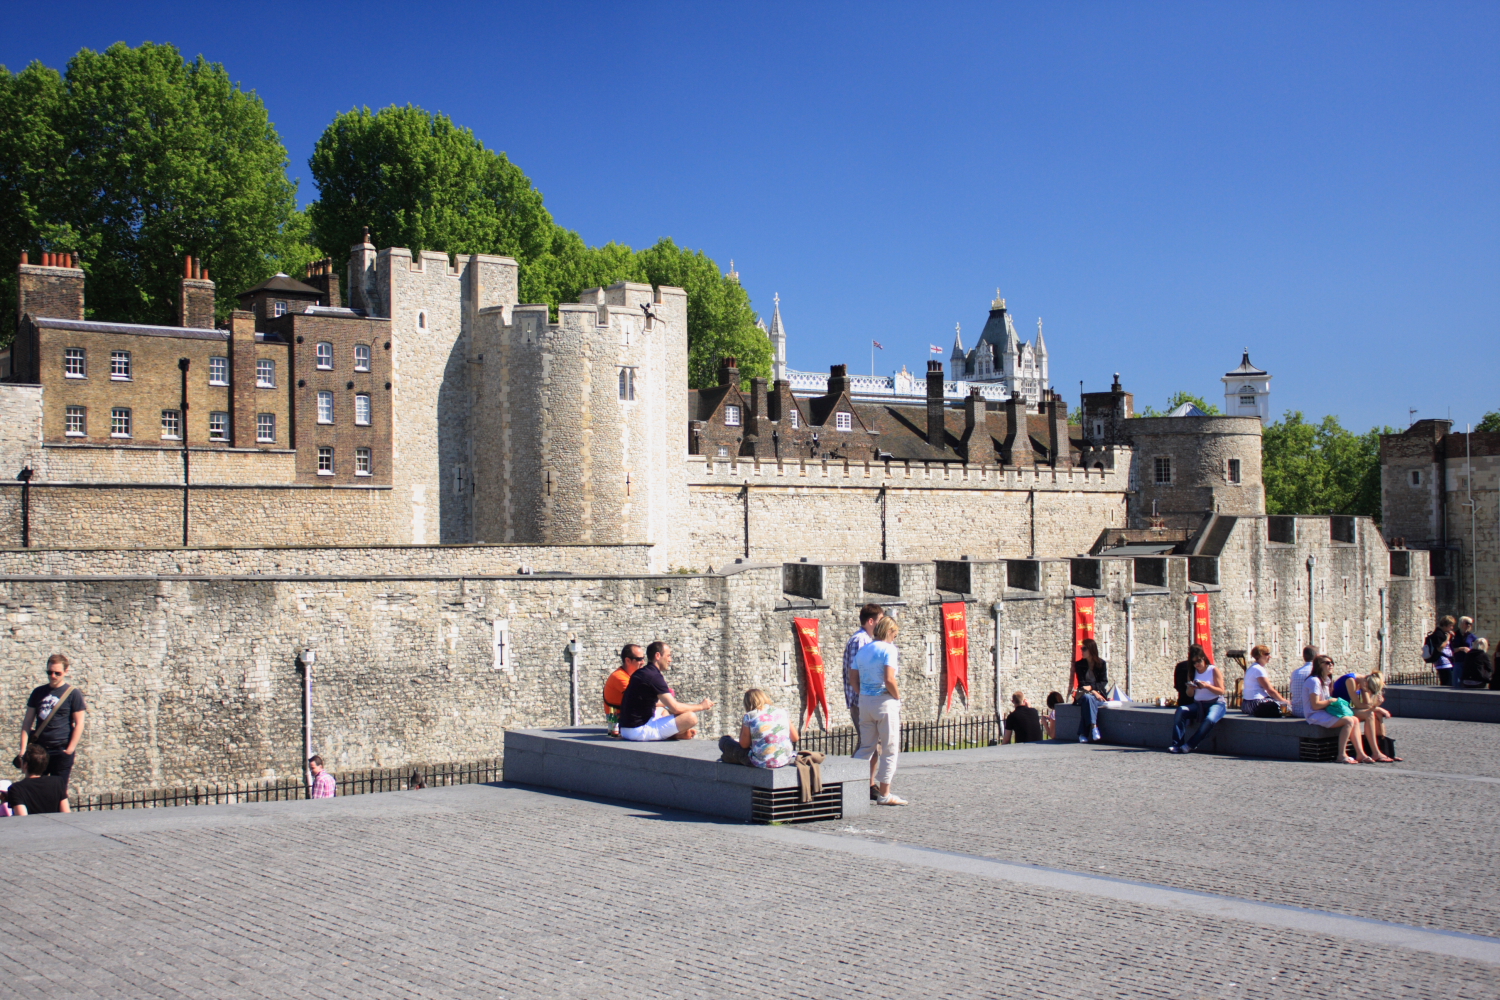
(934, 366)
(187, 266)
(24, 255)
(74, 260)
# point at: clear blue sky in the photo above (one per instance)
(1163, 183)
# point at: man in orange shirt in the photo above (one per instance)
(631, 659)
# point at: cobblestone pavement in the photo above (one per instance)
(508, 892)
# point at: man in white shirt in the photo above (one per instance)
(1296, 688)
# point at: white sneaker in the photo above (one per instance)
(1097, 737)
(890, 800)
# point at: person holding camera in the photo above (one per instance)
(54, 720)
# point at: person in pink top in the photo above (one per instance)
(323, 783)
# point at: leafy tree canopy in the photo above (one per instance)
(1489, 423)
(420, 181)
(1321, 468)
(1176, 400)
(133, 158)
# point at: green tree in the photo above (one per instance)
(1321, 468)
(420, 181)
(1176, 400)
(1489, 423)
(133, 158)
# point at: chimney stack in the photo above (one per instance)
(729, 372)
(838, 381)
(979, 448)
(53, 288)
(937, 431)
(195, 302)
(1057, 432)
(321, 275)
(1017, 433)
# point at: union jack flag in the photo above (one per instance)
(878, 344)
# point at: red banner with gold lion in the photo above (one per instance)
(955, 650)
(1083, 628)
(812, 668)
(1203, 633)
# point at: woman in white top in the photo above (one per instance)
(880, 708)
(1320, 699)
(1207, 688)
(1258, 689)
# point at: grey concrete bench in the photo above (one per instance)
(1429, 701)
(680, 774)
(1131, 725)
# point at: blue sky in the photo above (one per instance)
(1165, 184)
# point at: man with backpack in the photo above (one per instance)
(54, 719)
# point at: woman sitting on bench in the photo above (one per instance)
(1369, 693)
(767, 737)
(1333, 713)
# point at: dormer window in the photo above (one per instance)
(796, 418)
(278, 308)
(731, 416)
(843, 421)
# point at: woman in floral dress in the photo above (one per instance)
(766, 732)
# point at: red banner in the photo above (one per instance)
(812, 668)
(1083, 628)
(955, 650)
(1203, 633)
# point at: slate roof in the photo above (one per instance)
(1246, 368)
(282, 283)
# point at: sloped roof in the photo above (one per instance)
(282, 283)
(1187, 410)
(1246, 368)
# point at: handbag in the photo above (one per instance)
(1266, 709)
(41, 723)
(1338, 708)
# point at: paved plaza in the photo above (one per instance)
(1052, 870)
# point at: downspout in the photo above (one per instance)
(1380, 663)
(307, 659)
(182, 365)
(25, 477)
(1312, 615)
(1129, 641)
(1032, 500)
(997, 609)
(882, 524)
(574, 649)
(745, 496)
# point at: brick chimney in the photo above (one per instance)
(195, 304)
(1057, 431)
(729, 372)
(838, 381)
(53, 288)
(937, 431)
(1017, 433)
(322, 276)
(979, 449)
(242, 402)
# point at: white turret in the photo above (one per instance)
(1247, 391)
(778, 342)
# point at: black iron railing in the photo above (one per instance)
(949, 734)
(361, 782)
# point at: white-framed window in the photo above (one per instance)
(119, 365)
(362, 409)
(843, 421)
(723, 451)
(171, 425)
(362, 463)
(218, 426)
(627, 384)
(1247, 400)
(1234, 471)
(265, 428)
(325, 407)
(265, 374)
(218, 371)
(1162, 468)
(119, 422)
(731, 416)
(1416, 477)
(76, 421)
(324, 353)
(278, 308)
(325, 461)
(75, 363)
(796, 416)
(361, 357)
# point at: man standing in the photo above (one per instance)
(54, 719)
(1296, 689)
(615, 684)
(868, 616)
(36, 792)
(647, 689)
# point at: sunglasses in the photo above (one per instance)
(635, 657)
(56, 673)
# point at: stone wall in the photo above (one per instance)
(194, 679)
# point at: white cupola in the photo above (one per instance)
(1247, 391)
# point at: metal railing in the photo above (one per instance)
(949, 734)
(360, 782)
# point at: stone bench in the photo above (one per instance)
(680, 774)
(1132, 725)
(1431, 701)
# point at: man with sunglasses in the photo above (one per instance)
(59, 708)
(631, 659)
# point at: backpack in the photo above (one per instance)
(1429, 654)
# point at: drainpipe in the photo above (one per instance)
(25, 477)
(745, 496)
(997, 609)
(574, 649)
(883, 556)
(1312, 615)
(182, 365)
(1383, 636)
(308, 658)
(1129, 640)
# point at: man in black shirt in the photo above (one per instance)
(1022, 725)
(59, 708)
(647, 689)
(37, 792)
